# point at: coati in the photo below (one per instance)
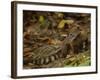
(75, 42)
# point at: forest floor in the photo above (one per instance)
(51, 28)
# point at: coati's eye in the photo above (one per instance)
(71, 35)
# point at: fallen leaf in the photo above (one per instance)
(63, 22)
(41, 19)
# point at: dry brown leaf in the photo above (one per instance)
(27, 50)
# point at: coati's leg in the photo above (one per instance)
(65, 50)
(56, 56)
(75, 50)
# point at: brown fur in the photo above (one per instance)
(75, 44)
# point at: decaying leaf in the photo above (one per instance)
(60, 15)
(27, 50)
(63, 22)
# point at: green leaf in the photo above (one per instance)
(69, 21)
(86, 63)
(41, 19)
(63, 22)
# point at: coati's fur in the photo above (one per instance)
(76, 42)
